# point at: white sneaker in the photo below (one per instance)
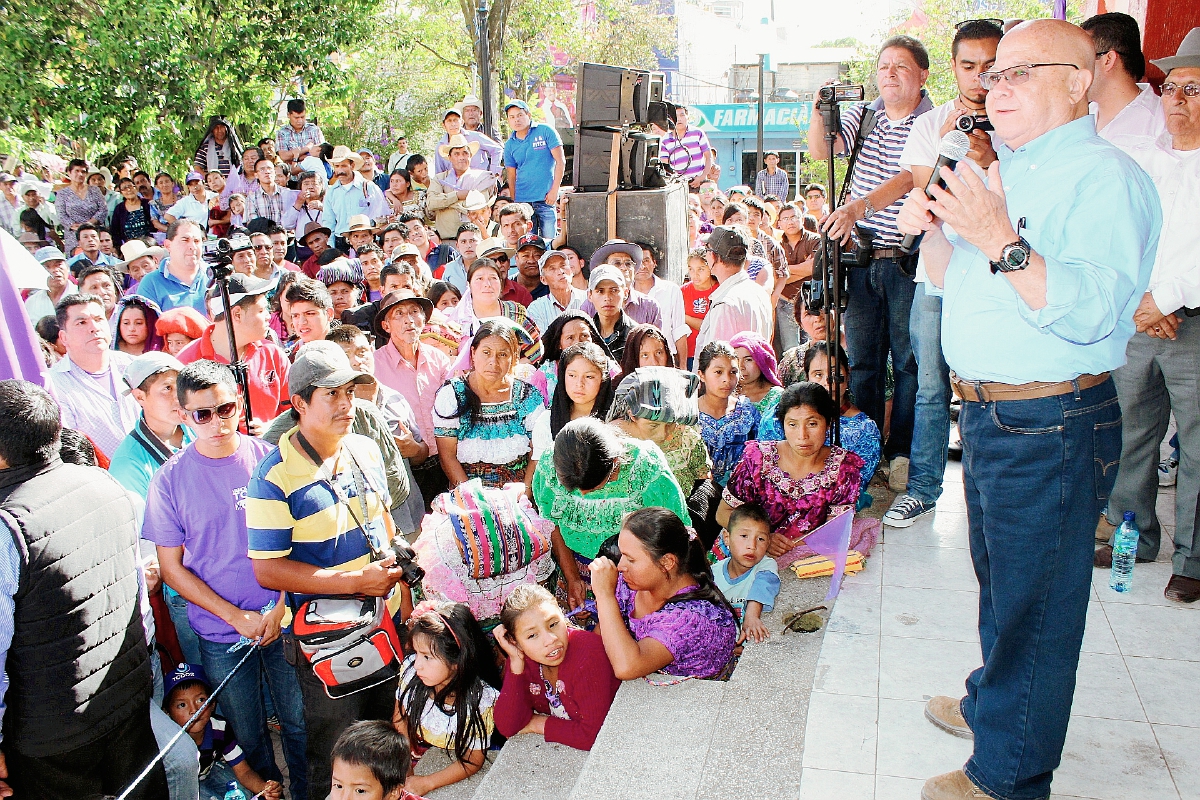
(906, 510)
(898, 474)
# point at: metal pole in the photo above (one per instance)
(762, 60)
(485, 69)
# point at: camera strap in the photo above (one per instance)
(360, 487)
(865, 126)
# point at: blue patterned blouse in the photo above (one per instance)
(725, 437)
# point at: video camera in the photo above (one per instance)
(411, 572)
(968, 123)
(829, 98)
(218, 254)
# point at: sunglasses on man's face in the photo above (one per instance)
(203, 416)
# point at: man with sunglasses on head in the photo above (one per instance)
(1126, 111)
(1159, 376)
(196, 516)
(316, 513)
(972, 51)
(1041, 276)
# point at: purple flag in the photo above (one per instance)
(832, 540)
(1060, 9)
(20, 353)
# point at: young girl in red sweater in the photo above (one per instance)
(557, 681)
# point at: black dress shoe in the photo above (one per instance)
(1103, 558)
(1182, 589)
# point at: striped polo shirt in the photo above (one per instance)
(879, 161)
(291, 513)
(685, 153)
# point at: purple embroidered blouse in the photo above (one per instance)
(699, 635)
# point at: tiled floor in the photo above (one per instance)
(904, 629)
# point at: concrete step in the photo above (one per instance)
(530, 768)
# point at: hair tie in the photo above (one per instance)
(692, 535)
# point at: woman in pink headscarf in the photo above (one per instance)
(760, 378)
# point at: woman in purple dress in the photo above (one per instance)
(79, 203)
(659, 609)
(800, 482)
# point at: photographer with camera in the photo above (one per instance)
(881, 295)
(1041, 276)
(335, 480)
(972, 51)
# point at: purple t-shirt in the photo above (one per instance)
(200, 503)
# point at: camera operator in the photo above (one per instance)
(1126, 111)
(1041, 276)
(327, 552)
(881, 296)
(972, 51)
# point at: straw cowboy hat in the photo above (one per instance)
(342, 153)
(476, 200)
(361, 222)
(457, 140)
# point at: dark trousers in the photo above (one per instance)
(1037, 474)
(432, 480)
(876, 321)
(326, 718)
(103, 767)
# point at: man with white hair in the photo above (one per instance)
(1041, 275)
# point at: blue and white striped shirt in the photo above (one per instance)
(879, 161)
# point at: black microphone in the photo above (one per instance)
(951, 150)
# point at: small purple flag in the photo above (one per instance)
(20, 353)
(1060, 9)
(832, 540)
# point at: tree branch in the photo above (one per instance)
(441, 57)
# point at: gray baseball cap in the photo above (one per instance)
(147, 365)
(51, 253)
(324, 365)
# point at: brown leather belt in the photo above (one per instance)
(989, 392)
(888, 252)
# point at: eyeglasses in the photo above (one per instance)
(262, 247)
(999, 23)
(1014, 75)
(1188, 89)
(203, 416)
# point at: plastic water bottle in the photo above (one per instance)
(1124, 554)
(232, 792)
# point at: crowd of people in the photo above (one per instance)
(600, 472)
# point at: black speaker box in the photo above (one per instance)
(592, 160)
(655, 216)
(610, 95)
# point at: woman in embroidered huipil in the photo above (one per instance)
(800, 482)
(484, 420)
(595, 477)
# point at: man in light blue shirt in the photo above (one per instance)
(1041, 276)
(351, 194)
(181, 279)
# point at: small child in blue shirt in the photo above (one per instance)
(748, 578)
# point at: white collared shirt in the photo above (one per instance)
(738, 305)
(1137, 122)
(1175, 281)
(669, 297)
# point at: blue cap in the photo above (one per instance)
(182, 674)
(521, 104)
(1129, 516)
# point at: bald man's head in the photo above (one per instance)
(1047, 96)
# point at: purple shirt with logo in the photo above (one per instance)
(200, 503)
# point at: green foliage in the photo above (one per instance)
(143, 76)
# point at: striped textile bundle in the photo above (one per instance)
(820, 566)
(494, 535)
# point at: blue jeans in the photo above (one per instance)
(876, 321)
(217, 781)
(545, 220)
(189, 642)
(241, 704)
(1036, 475)
(931, 415)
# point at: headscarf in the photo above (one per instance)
(659, 394)
(208, 146)
(761, 352)
(154, 340)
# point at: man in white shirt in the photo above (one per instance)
(973, 51)
(1126, 111)
(739, 304)
(669, 297)
(562, 296)
(41, 303)
(194, 205)
(1160, 372)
